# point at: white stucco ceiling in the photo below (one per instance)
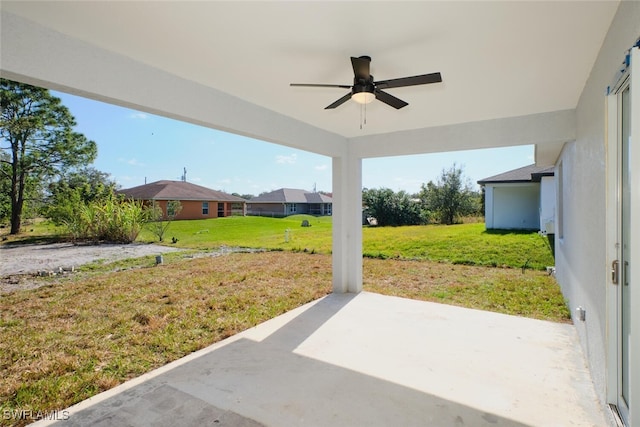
(497, 59)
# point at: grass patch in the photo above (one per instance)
(63, 343)
(463, 244)
(251, 232)
(466, 244)
(534, 294)
(38, 231)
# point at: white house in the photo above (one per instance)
(562, 75)
(520, 199)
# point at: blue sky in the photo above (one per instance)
(133, 146)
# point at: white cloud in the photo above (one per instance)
(131, 162)
(138, 115)
(224, 181)
(287, 159)
(195, 179)
(321, 167)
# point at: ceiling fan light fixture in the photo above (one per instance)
(363, 97)
(363, 92)
(365, 88)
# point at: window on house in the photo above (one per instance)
(205, 208)
(172, 207)
(237, 208)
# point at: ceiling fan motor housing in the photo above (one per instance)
(363, 87)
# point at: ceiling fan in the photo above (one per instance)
(364, 89)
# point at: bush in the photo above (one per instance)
(394, 209)
(112, 219)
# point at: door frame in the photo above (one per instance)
(612, 251)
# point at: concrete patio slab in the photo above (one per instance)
(366, 360)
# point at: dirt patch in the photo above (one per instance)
(25, 259)
(20, 263)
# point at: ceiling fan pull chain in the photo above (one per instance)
(363, 115)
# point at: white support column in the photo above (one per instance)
(347, 224)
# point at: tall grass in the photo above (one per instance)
(110, 220)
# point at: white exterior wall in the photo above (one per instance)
(582, 267)
(488, 206)
(547, 204)
(512, 206)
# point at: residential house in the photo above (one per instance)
(290, 201)
(520, 199)
(197, 202)
(563, 76)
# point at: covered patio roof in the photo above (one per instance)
(512, 71)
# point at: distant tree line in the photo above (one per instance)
(445, 201)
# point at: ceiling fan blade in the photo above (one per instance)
(390, 99)
(318, 85)
(339, 102)
(410, 81)
(361, 67)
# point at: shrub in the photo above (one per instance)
(391, 208)
(112, 219)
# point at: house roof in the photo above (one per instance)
(291, 195)
(530, 173)
(177, 190)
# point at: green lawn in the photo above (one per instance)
(250, 232)
(468, 244)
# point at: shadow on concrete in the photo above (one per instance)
(263, 381)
